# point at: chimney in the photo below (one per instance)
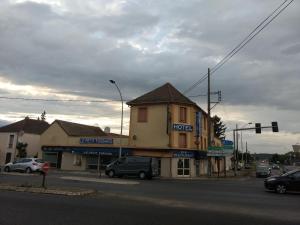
(107, 130)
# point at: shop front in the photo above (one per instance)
(81, 158)
(177, 162)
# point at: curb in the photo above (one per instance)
(46, 191)
(101, 180)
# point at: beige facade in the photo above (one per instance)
(71, 152)
(33, 148)
(157, 132)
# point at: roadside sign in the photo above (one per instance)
(45, 167)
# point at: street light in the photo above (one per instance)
(120, 150)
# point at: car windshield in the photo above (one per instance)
(262, 168)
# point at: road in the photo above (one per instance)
(242, 201)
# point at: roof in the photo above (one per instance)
(29, 126)
(76, 129)
(113, 135)
(162, 95)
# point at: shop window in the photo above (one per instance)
(142, 115)
(182, 114)
(182, 140)
(11, 140)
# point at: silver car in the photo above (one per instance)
(26, 165)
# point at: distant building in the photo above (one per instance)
(24, 131)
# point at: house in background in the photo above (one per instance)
(25, 131)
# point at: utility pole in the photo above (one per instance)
(237, 147)
(234, 152)
(242, 147)
(208, 121)
(246, 153)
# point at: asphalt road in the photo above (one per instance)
(242, 201)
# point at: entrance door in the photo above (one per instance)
(183, 167)
(8, 157)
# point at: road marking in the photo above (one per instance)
(101, 180)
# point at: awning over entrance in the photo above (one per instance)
(87, 150)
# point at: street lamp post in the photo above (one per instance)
(120, 150)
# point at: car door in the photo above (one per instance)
(122, 166)
(25, 164)
(20, 165)
(14, 165)
(295, 181)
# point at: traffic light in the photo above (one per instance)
(257, 128)
(275, 127)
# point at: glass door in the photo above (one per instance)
(183, 167)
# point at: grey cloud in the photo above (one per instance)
(292, 50)
(75, 52)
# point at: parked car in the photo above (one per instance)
(143, 167)
(289, 181)
(263, 171)
(27, 165)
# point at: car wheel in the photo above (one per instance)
(111, 173)
(28, 170)
(142, 175)
(280, 188)
(6, 169)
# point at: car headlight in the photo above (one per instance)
(271, 179)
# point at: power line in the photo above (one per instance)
(59, 100)
(245, 41)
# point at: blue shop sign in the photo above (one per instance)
(182, 127)
(107, 141)
(184, 154)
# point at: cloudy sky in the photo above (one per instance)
(69, 49)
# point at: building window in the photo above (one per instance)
(205, 123)
(182, 114)
(182, 140)
(11, 140)
(142, 115)
(205, 144)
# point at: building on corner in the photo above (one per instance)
(169, 126)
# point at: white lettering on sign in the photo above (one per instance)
(182, 127)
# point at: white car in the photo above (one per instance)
(27, 165)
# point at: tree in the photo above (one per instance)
(43, 116)
(219, 127)
(21, 147)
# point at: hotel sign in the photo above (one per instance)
(182, 127)
(105, 141)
